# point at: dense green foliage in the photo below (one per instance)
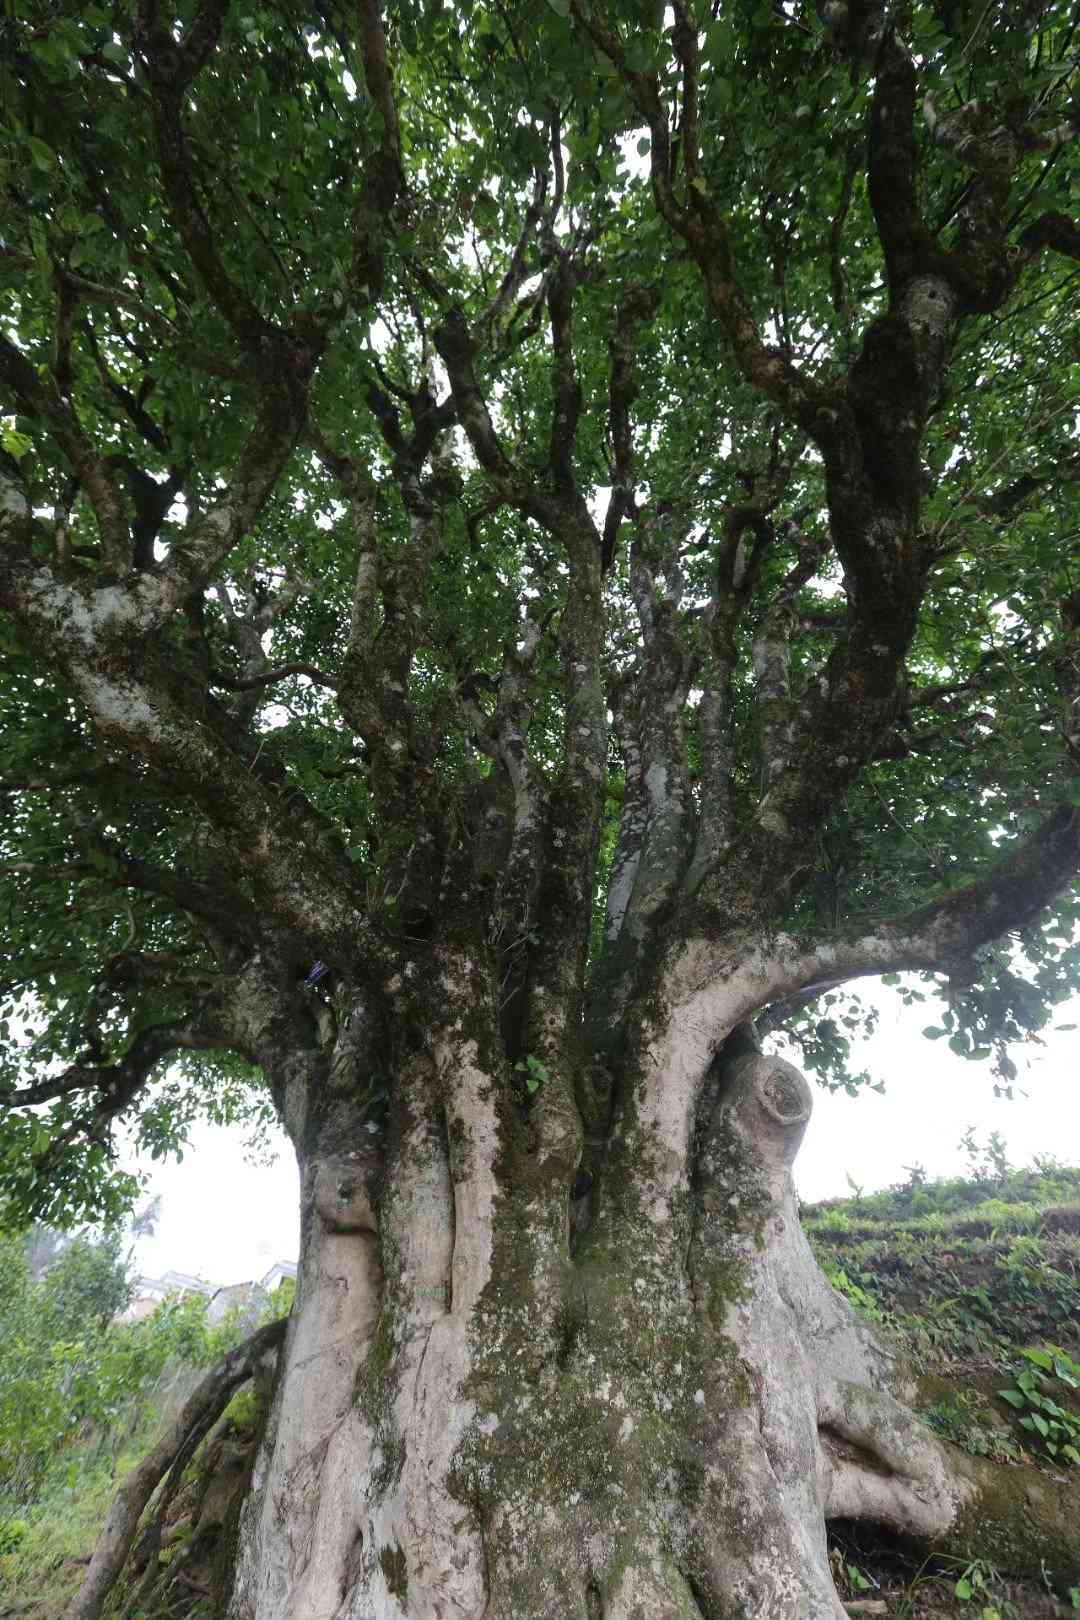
(52, 1334)
(76, 1382)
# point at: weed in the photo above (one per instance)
(960, 1417)
(535, 1072)
(977, 1581)
(1038, 1377)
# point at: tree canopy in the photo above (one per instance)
(603, 470)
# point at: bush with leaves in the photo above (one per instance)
(50, 1330)
(69, 1367)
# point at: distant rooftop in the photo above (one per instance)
(277, 1274)
(171, 1282)
(183, 1282)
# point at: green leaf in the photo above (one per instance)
(42, 155)
(16, 444)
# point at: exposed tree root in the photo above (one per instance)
(167, 1460)
(830, 1431)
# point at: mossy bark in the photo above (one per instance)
(502, 1396)
(476, 1418)
(1019, 1519)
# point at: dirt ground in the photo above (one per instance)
(903, 1585)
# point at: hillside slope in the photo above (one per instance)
(978, 1282)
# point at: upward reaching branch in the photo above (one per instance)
(893, 165)
(41, 399)
(171, 69)
(698, 220)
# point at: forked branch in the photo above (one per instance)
(698, 220)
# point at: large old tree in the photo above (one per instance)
(535, 535)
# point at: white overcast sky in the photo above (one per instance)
(227, 1220)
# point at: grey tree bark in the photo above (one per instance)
(655, 1425)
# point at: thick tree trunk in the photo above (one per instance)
(470, 1422)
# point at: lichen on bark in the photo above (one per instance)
(672, 1446)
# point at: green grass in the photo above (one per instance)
(43, 1572)
(967, 1273)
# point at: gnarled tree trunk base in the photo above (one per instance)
(470, 1424)
(669, 1444)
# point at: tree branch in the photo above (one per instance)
(383, 176)
(1052, 230)
(249, 683)
(772, 666)
(117, 1084)
(639, 305)
(699, 222)
(121, 298)
(738, 570)
(171, 67)
(517, 270)
(566, 389)
(373, 686)
(738, 979)
(457, 349)
(143, 422)
(298, 865)
(16, 515)
(220, 904)
(893, 164)
(40, 398)
(200, 550)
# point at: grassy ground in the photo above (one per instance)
(44, 1551)
(44, 1567)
